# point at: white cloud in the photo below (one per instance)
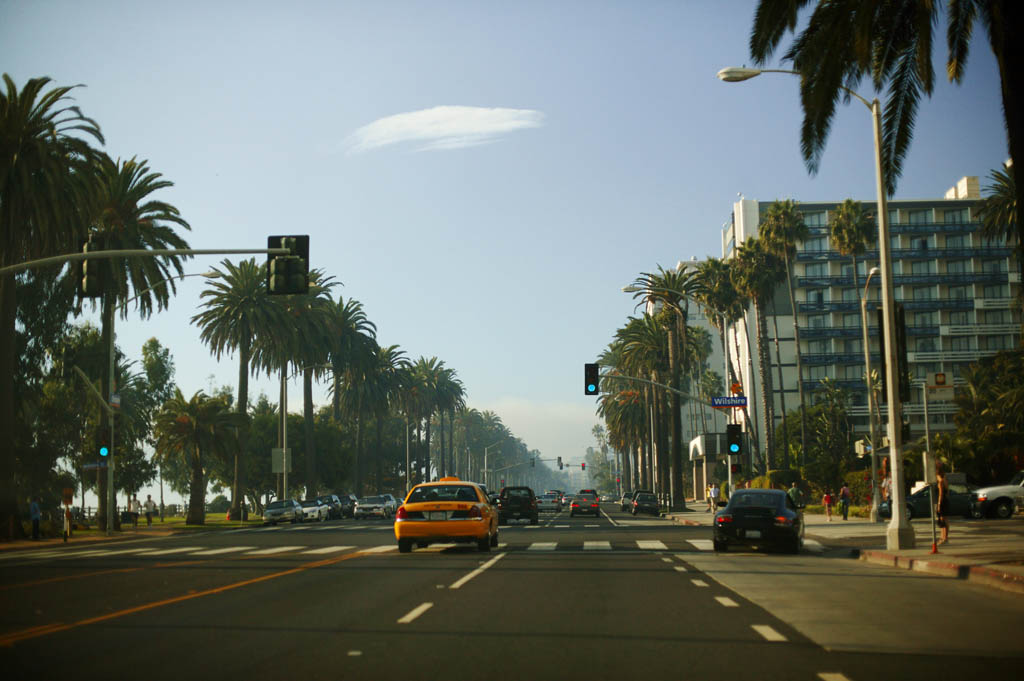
(444, 127)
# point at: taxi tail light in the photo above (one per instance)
(723, 519)
(401, 514)
(783, 521)
(593, 505)
(475, 512)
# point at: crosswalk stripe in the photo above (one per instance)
(767, 632)
(177, 549)
(110, 552)
(591, 526)
(813, 545)
(299, 528)
(273, 549)
(561, 526)
(329, 549)
(702, 544)
(727, 602)
(597, 546)
(379, 549)
(542, 546)
(651, 545)
(214, 552)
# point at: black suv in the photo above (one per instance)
(517, 502)
(348, 505)
(645, 502)
(333, 505)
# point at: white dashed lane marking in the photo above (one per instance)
(379, 549)
(702, 544)
(767, 632)
(597, 546)
(727, 602)
(651, 545)
(329, 549)
(542, 546)
(214, 552)
(699, 582)
(179, 549)
(273, 549)
(415, 612)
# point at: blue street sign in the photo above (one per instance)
(723, 402)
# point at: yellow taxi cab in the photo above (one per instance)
(449, 510)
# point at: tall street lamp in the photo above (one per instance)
(871, 396)
(899, 535)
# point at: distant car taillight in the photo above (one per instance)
(593, 505)
(475, 512)
(575, 505)
(723, 519)
(783, 521)
(401, 514)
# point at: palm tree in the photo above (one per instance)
(385, 381)
(998, 212)
(450, 397)
(428, 371)
(238, 313)
(756, 272)
(782, 227)
(674, 288)
(889, 41)
(195, 429)
(128, 218)
(46, 189)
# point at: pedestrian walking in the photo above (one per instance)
(713, 495)
(135, 508)
(707, 497)
(150, 508)
(795, 495)
(844, 501)
(36, 514)
(942, 507)
(826, 501)
(67, 523)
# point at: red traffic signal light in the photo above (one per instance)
(736, 468)
(583, 466)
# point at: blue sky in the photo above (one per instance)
(548, 153)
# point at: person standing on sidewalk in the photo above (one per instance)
(713, 496)
(136, 508)
(150, 507)
(826, 501)
(844, 501)
(36, 514)
(942, 507)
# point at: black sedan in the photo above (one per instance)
(919, 503)
(645, 502)
(759, 517)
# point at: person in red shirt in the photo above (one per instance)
(826, 501)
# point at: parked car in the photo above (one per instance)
(333, 505)
(348, 505)
(517, 502)
(761, 518)
(626, 502)
(999, 500)
(961, 498)
(391, 503)
(646, 502)
(315, 510)
(549, 502)
(372, 507)
(282, 510)
(585, 503)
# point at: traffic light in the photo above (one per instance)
(288, 274)
(591, 380)
(734, 439)
(92, 273)
(902, 366)
(104, 448)
(736, 468)
(559, 463)
(583, 466)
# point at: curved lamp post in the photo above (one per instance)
(899, 535)
(871, 396)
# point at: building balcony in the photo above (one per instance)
(938, 304)
(843, 358)
(1013, 277)
(909, 279)
(950, 355)
(846, 383)
(828, 306)
(978, 329)
(830, 332)
(993, 303)
(910, 253)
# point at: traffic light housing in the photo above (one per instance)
(902, 365)
(104, 447)
(92, 273)
(583, 466)
(736, 468)
(559, 463)
(734, 439)
(288, 274)
(591, 380)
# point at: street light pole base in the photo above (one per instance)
(873, 514)
(898, 538)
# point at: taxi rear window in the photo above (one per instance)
(442, 493)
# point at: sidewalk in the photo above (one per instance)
(80, 538)
(988, 552)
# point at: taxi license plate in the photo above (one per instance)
(437, 515)
(753, 534)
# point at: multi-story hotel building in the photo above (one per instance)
(958, 290)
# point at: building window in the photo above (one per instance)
(919, 217)
(958, 292)
(960, 343)
(894, 242)
(814, 219)
(851, 319)
(925, 345)
(816, 296)
(817, 269)
(954, 216)
(852, 372)
(850, 294)
(922, 267)
(957, 241)
(852, 346)
(818, 347)
(993, 266)
(926, 318)
(994, 291)
(956, 266)
(921, 243)
(817, 372)
(894, 216)
(959, 317)
(816, 245)
(997, 316)
(924, 292)
(997, 242)
(816, 321)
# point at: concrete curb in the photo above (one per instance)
(988, 575)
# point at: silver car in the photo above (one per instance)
(392, 503)
(282, 510)
(548, 502)
(315, 510)
(372, 507)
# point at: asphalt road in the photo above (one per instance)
(613, 597)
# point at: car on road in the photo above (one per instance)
(391, 503)
(548, 503)
(348, 505)
(282, 510)
(1000, 500)
(315, 510)
(585, 504)
(372, 507)
(448, 510)
(759, 517)
(626, 502)
(559, 494)
(588, 491)
(334, 509)
(961, 498)
(645, 502)
(566, 499)
(517, 502)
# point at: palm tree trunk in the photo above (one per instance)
(782, 390)
(106, 389)
(765, 371)
(419, 436)
(676, 484)
(357, 465)
(336, 399)
(10, 523)
(197, 491)
(307, 423)
(426, 456)
(378, 463)
(238, 489)
(442, 466)
(799, 365)
(755, 440)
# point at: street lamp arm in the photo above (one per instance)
(134, 252)
(735, 74)
(644, 380)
